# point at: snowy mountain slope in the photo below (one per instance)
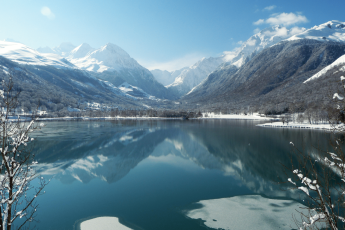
(80, 51)
(336, 66)
(274, 74)
(177, 73)
(330, 31)
(265, 38)
(113, 64)
(107, 58)
(189, 77)
(86, 84)
(134, 91)
(82, 85)
(23, 54)
(61, 88)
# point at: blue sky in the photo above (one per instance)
(162, 34)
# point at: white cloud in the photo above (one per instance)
(172, 65)
(269, 8)
(285, 19)
(284, 32)
(239, 42)
(260, 21)
(47, 12)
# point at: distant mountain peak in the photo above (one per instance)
(259, 41)
(333, 30)
(114, 50)
(81, 51)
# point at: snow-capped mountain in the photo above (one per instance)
(113, 64)
(107, 58)
(276, 73)
(109, 63)
(190, 77)
(330, 31)
(25, 55)
(265, 38)
(80, 51)
(275, 62)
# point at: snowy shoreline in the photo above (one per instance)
(205, 116)
(274, 122)
(106, 118)
(297, 126)
(254, 116)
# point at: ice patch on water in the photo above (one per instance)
(248, 212)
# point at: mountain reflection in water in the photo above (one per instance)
(110, 150)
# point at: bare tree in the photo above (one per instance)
(320, 175)
(16, 169)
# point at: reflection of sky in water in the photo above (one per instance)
(147, 172)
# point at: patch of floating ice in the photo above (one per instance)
(248, 212)
(104, 223)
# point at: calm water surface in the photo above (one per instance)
(149, 172)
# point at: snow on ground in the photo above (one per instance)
(104, 223)
(134, 91)
(337, 63)
(254, 116)
(248, 212)
(297, 125)
(5, 69)
(106, 118)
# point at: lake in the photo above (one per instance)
(149, 173)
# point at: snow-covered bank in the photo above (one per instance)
(297, 125)
(254, 116)
(104, 223)
(106, 118)
(248, 212)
